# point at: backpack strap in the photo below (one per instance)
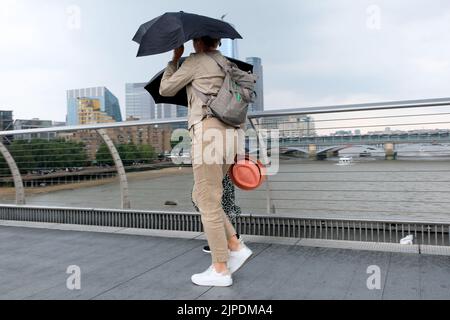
(223, 63)
(206, 99)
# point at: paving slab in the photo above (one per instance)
(33, 265)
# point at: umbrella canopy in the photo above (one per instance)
(181, 98)
(173, 29)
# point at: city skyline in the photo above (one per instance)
(339, 55)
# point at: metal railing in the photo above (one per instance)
(417, 130)
(363, 202)
(381, 231)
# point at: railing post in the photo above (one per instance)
(270, 207)
(126, 204)
(261, 145)
(15, 172)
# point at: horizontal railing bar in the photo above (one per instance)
(343, 210)
(392, 126)
(95, 126)
(89, 167)
(306, 111)
(355, 181)
(359, 191)
(71, 154)
(425, 103)
(365, 171)
(346, 200)
(278, 174)
(271, 181)
(74, 161)
(363, 118)
(150, 188)
(156, 158)
(304, 190)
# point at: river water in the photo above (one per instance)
(413, 189)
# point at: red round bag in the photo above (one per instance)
(248, 174)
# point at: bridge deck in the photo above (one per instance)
(33, 263)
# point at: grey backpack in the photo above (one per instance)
(230, 105)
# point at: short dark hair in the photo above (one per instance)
(211, 42)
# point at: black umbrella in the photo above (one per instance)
(173, 29)
(181, 98)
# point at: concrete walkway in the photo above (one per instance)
(33, 264)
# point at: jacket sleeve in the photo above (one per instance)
(174, 80)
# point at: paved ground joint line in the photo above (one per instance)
(142, 273)
(253, 257)
(420, 279)
(386, 278)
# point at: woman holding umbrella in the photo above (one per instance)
(199, 70)
(202, 76)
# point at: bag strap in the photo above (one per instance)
(205, 98)
(223, 63)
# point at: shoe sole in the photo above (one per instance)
(225, 285)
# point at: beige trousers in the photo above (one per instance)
(214, 147)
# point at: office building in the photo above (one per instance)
(169, 111)
(89, 112)
(23, 124)
(289, 126)
(92, 104)
(229, 48)
(258, 105)
(156, 136)
(6, 120)
(139, 103)
(6, 124)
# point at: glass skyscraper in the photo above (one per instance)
(6, 123)
(229, 48)
(109, 104)
(139, 103)
(6, 120)
(169, 111)
(258, 105)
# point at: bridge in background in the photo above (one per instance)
(370, 139)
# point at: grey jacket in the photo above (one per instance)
(199, 71)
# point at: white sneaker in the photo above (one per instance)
(239, 258)
(211, 278)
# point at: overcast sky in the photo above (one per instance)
(314, 52)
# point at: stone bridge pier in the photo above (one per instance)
(389, 149)
(312, 151)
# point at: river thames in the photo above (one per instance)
(413, 189)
